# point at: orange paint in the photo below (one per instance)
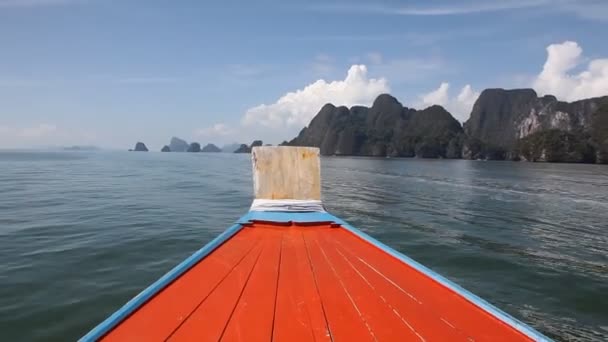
(158, 318)
(307, 283)
(376, 309)
(459, 312)
(255, 308)
(345, 322)
(404, 305)
(299, 314)
(208, 321)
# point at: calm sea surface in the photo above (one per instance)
(83, 232)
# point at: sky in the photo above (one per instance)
(114, 72)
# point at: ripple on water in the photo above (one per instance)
(81, 233)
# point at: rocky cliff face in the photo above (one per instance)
(230, 148)
(211, 148)
(385, 129)
(555, 145)
(502, 117)
(194, 147)
(243, 149)
(178, 145)
(247, 149)
(140, 147)
(599, 133)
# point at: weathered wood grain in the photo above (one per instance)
(286, 172)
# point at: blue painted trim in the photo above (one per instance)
(137, 301)
(327, 217)
(112, 321)
(282, 216)
(503, 316)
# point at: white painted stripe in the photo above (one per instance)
(382, 297)
(287, 205)
(390, 281)
(347, 293)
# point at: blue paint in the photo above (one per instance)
(327, 217)
(137, 301)
(309, 217)
(282, 216)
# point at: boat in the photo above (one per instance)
(288, 270)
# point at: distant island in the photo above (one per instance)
(229, 148)
(247, 149)
(179, 145)
(194, 147)
(211, 148)
(504, 125)
(139, 147)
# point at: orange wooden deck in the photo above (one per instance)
(307, 283)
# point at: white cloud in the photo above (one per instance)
(401, 70)
(216, 130)
(297, 108)
(585, 9)
(441, 10)
(478, 7)
(459, 106)
(557, 77)
(438, 96)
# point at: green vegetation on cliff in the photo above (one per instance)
(599, 133)
(385, 129)
(504, 125)
(556, 146)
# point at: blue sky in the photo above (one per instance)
(113, 72)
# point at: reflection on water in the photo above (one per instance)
(82, 232)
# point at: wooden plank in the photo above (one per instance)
(157, 319)
(448, 305)
(345, 320)
(285, 172)
(410, 311)
(253, 317)
(379, 317)
(310, 283)
(299, 314)
(208, 321)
